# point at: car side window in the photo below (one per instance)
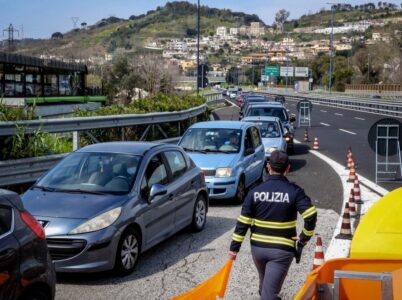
(176, 162)
(256, 137)
(155, 173)
(249, 140)
(5, 219)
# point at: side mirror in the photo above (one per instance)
(292, 119)
(249, 151)
(156, 190)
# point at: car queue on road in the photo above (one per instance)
(105, 204)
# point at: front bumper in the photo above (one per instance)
(221, 188)
(90, 252)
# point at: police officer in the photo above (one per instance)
(270, 209)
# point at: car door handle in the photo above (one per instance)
(7, 254)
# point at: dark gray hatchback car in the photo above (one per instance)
(106, 203)
(26, 270)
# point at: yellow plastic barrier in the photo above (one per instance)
(214, 287)
(379, 234)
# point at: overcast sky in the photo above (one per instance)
(40, 18)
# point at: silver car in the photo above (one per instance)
(104, 204)
(272, 133)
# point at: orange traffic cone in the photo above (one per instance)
(316, 146)
(346, 231)
(352, 206)
(318, 253)
(306, 135)
(356, 191)
(352, 174)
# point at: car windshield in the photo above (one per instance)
(269, 129)
(92, 173)
(278, 112)
(212, 140)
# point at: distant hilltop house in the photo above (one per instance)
(223, 32)
(255, 29)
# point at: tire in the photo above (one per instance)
(199, 214)
(128, 252)
(240, 191)
(264, 174)
(36, 294)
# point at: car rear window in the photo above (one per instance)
(5, 219)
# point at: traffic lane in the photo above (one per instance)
(309, 172)
(164, 269)
(185, 260)
(337, 129)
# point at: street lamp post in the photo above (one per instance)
(198, 46)
(331, 47)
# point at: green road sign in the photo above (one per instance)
(272, 70)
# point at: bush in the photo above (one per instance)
(159, 103)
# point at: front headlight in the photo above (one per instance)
(270, 150)
(223, 172)
(100, 222)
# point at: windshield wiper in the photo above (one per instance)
(79, 191)
(43, 188)
(221, 151)
(194, 150)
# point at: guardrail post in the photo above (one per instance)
(76, 140)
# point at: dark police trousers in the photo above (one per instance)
(272, 265)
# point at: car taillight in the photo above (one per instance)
(202, 174)
(33, 224)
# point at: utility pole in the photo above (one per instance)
(10, 32)
(287, 60)
(331, 47)
(368, 66)
(198, 47)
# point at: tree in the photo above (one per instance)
(57, 36)
(281, 17)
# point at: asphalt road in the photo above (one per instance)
(187, 259)
(337, 129)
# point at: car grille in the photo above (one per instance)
(209, 172)
(65, 248)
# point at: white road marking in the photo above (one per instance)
(338, 114)
(350, 132)
(337, 247)
(323, 110)
(325, 124)
(357, 118)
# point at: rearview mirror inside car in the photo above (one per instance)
(156, 190)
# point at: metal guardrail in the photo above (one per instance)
(386, 108)
(99, 122)
(30, 169)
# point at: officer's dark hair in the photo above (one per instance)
(279, 161)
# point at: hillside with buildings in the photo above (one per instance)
(367, 41)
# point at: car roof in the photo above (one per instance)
(8, 197)
(221, 124)
(267, 104)
(262, 118)
(134, 148)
